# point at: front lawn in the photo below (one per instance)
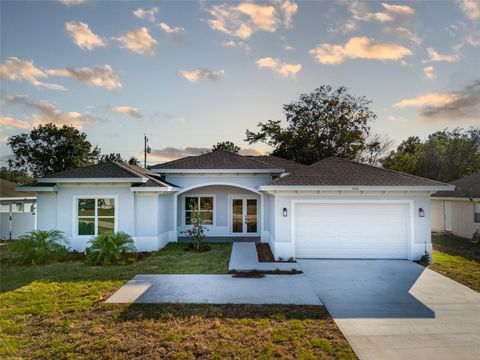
(58, 311)
(457, 258)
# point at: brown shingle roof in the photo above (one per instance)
(107, 169)
(468, 187)
(334, 171)
(218, 159)
(289, 165)
(7, 189)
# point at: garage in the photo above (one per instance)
(351, 230)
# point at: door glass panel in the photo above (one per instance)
(252, 215)
(237, 215)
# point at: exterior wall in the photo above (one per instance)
(463, 219)
(139, 215)
(250, 181)
(285, 248)
(269, 219)
(438, 215)
(222, 209)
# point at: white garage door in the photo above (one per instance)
(351, 231)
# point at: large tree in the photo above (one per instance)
(227, 146)
(326, 122)
(16, 176)
(445, 155)
(48, 149)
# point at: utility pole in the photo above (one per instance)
(146, 150)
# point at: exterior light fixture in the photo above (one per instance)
(285, 212)
(421, 212)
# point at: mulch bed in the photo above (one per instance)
(257, 274)
(203, 248)
(126, 257)
(264, 253)
(249, 275)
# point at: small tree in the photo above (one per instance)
(133, 161)
(227, 146)
(196, 233)
(109, 248)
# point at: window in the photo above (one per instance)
(476, 211)
(201, 204)
(4, 208)
(18, 207)
(95, 216)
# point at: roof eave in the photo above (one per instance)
(154, 189)
(94, 180)
(37, 188)
(357, 188)
(217, 171)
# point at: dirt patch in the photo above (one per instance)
(203, 248)
(248, 275)
(264, 253)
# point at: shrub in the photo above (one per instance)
(39, 247)
(109, 248)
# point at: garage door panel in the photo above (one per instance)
(357, 230)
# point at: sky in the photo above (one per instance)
(189, 74)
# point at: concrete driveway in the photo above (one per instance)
(396, 309)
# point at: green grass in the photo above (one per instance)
(457, 258)
(58, 311)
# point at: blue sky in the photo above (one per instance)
(189, 74)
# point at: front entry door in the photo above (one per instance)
(244, 215)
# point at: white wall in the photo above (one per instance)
(47, 211)
(284, 247)
(249, 181)
(437, 209)
(222, 209)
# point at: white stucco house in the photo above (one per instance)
(332, 209)
(458, 211)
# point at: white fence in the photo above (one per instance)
(17, 225)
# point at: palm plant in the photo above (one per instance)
(109, 248)
(39, 247)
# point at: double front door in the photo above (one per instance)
(244, 215)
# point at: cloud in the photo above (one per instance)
(236, 44)
(453, 106)
(359, 11)
(289, 9)
(198, 74)
(399, 9)
(73, 2)
(281, 68)
(97, 76)
(148, 14)
(138, 41)
(429, 99)
(403, 33)
(244, 19)
(127, 110)
(429, 72)
(15, 69)
(45, 112)
(8, 122)
(359, 47)
(173, 153)
(176, 32)
(82, 36)
(470, 8)
(433, 55)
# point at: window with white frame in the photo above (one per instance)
(476, 211)
(95, 216)
(201, 204)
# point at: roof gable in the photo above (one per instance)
(216, 160)
(334, 171)
(103, 170)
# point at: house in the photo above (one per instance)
(17, 210)
(458, 211)
(334, 208)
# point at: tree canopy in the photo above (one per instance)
(326, 122)
(48, 149)
(227, 146)
(16, 176)
(444, 156)
(118, 158)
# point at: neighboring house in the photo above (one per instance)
(458, 211)
(332, 209)
(17, 210)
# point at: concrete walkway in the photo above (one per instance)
(217, 289)
(396, 309)
(244, 257)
